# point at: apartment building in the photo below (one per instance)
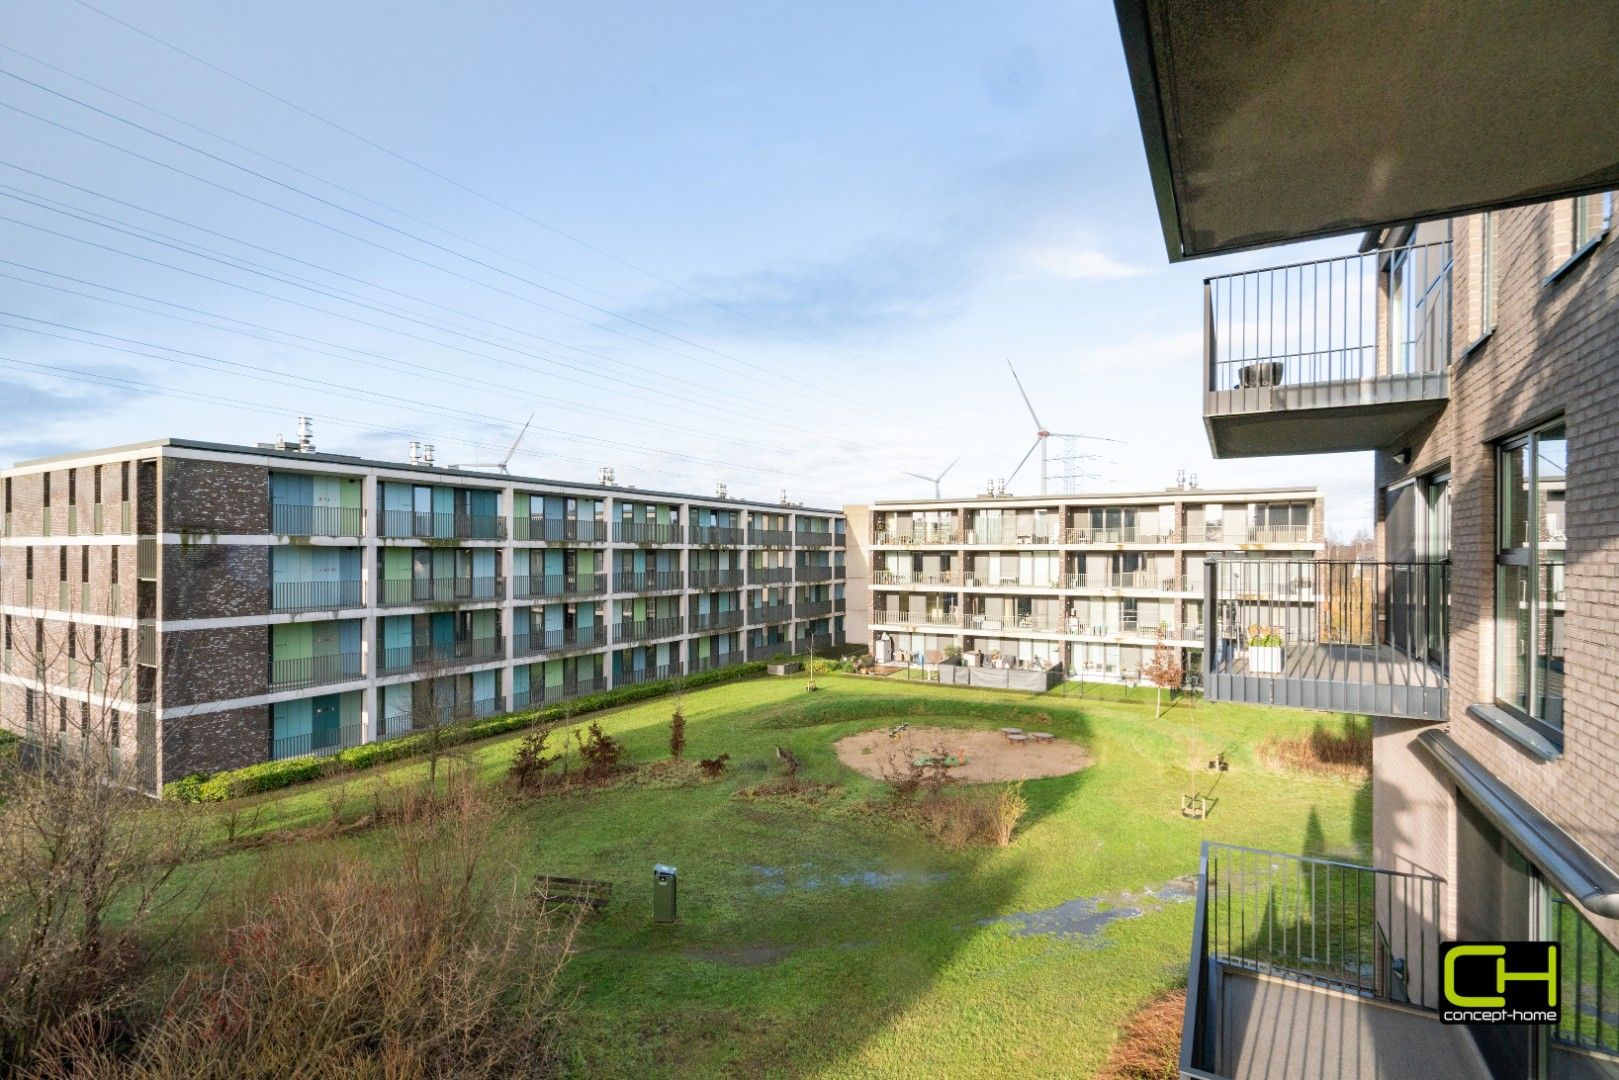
(209, 606)
(1471, 345)
(1082, 584)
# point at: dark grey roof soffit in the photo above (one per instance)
(1268, 122)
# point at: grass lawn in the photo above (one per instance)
(822, 939)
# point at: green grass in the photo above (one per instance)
(779, 968)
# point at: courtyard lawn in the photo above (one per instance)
(824, 938)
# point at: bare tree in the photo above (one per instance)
(1164, 670)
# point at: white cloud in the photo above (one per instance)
(1081, 264)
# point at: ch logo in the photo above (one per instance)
(1512, 982)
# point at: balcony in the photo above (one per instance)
(770, 613)
(1012, 535)
(807, 539)
(449, 712)
(555, 692)
(305, 671)
(812, 609)
(408, 524)
(649, 629)
(326, 741)
(1322, 357)
(558, 586)
(715, 535)
(1117, 534)
(1314, 968)
(560, 530)
(305, 519)
(646, 532)
(560, 640)
(405, 592)
(897, 617)
(728, 578)
(430, 654)
(315, 595)
(770, 537)
(1360, 637)
(715, 661)
(1034, 622)
(921, 536)
(1279, 534)
(639, 581)
(648, 674)
(714, 621)
(815, 573)
(901, 577)
(770, 650)
(770, 575)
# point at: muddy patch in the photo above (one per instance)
(1086, 917)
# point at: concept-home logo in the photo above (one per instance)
(1499, 982)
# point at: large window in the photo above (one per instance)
(1532, 471)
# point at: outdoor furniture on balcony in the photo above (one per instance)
(1362, 637)
(1338, 354)
(922, 537)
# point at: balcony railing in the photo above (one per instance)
(770, 537)
(646, 532)
(433, 653)
(727, 578)
(406, 591)
(715, 535)
(646, 580)
(314, 670)
(323, 741)
(555, 692)
(898, 617)
(560, 530)
(315, 595)
(1369, 332)
(714, 661)
(770, 575)
(407, 524)
(1012, 535)
(814, 573)
(770, 613)
(558, 586)
(648, 629)
(573, 637)
(1279, 534)
(712, 621)
(812, 609)
(1362, 637)
(1116, 534)
(1038, 622)
(647, 674)
(1131, 579)
(769, 650)
(931, 535)
(808, 539)
(307, 519)
(451, 712)
(902, 577)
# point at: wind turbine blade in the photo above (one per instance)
(1093, 438)
(1026, 457)
(947, 469)
(919, 476)
(518, 441)
(1037, 424)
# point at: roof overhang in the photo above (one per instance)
(1268, 122)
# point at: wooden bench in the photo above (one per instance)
(581, 892)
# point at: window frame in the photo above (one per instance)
(1526, 557)
(1579, 245)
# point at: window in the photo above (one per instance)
(1589, 220)
(72, 487)
(45, 491)
(1531, 473)
(1486, 274)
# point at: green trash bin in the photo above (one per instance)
(663, 893)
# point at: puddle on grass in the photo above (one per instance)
(777, 879)
(1088, 916)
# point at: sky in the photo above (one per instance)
(783, 247)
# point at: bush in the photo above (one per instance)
(973, 815)
(274, 775)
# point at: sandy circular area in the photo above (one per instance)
(989, 756)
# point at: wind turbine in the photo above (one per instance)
(503, 466)
(935, 480)
(1041, 435)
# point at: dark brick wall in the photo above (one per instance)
(208, 742)
(215, 664)
(215, 497)
(215, 581)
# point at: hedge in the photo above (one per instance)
(274, 775)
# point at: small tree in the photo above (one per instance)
(1164, 670)
(677, 733)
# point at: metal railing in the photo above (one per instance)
(901, 617)
(1039, 622)
(646, 532)
(1340, 320)
(146, 643)
(647, 629)
(314, 670)
(408, 524)
(770, 613)
(649, 674)
(812, 609)
(400, 592)
(315, 595)
(810, 539)
(1356, 928)
(560, 530)
(646, 580)
(429, 653)
(1117, 534)
(1012, 535)
(814, 573)
(307, 519)
(554, 692)
(1130, 579)
(714, 661)
(146, 558)
(573, 637)
(453, 712)
(1588, 969)
(769, 650)
(323, 741)
(715, 535)
(1279, 534)
(770, 537)
(716, 620)
(899, 577)
(726, 578)
(1354, 636)
(558, 586)
(770, 575)
(927, 535)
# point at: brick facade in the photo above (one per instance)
(207, 742)
(204, 580)
(216, 664)
(215, 497)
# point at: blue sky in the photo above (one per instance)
(775, 245)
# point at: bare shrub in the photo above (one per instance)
(715, 766)
(677, 734)
(1149, 1046)
(432, 963)
(1345, 753)
(973, 816)
(907, 777)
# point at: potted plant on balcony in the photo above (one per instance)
(1261, 373)
(1264, 650)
